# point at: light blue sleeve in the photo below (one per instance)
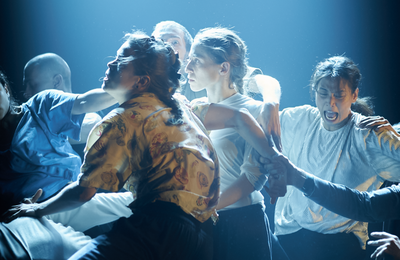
(52, 110)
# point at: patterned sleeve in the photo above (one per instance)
(200, 108)
(107, 161)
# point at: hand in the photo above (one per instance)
(269, 121)
(26, 208)
(387, 243)
(378, 124)
(277, 178)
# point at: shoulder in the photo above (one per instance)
(301, 110)
(51, 97)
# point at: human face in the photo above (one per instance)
(334, 99)
(120, 79)
(36, 80)
(4, 101)
(176, 38)
(202, 71)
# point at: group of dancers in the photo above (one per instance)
(185, 154)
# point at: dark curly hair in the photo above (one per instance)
(6, 84)
(157, 60)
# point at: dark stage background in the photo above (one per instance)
(285, 38)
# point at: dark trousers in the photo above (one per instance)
(242, 233)
(306, 244)
(160, 230)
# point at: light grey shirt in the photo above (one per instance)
(357, 158)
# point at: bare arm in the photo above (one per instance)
(237, 190)
(92, 101)
(270, 89)
(72, 196)
(221, 116)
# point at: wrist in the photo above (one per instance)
(308, 185)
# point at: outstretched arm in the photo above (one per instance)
(92, 101)
(379, 205)
(72, 196)
(221, 116)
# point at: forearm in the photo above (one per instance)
(365, 206)
(237, 190)
(92, 101)
(251, 131)
(72, 196)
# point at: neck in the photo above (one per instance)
(220, 91)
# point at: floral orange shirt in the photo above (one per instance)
(136, 147)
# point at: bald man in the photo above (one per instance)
(50, 71)
(46, 71)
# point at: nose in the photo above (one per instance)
(332, 100)
(188, 68)
(112, 63)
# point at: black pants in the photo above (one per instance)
(242, 233)
(160, 230)
(306, 244)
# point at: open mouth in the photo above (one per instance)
(331, 116)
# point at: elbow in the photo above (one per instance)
(87, 194)
(241, 115)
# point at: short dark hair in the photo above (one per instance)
(341, 67)
(6, 84)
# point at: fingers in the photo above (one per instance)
(382, 235)
(273, 198)
(37, 195)
(270, 140)
(378, 253)
(34, 197)
(277, 142)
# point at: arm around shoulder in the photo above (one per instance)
(92, 101)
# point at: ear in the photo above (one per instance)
(58, 82)
(225, 68)
(355, 95)
(6, 89)
(143, 83)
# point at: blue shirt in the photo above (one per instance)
(40, 155)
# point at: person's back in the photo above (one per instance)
(50, 71)
(39, 155)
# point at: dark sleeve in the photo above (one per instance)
(380, 205)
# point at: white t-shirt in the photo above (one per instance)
(234, 153)
(357, 158)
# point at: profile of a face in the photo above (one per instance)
(4, 101)
(202, 71)
(333, 98)
(120, 76)
(175, 37)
